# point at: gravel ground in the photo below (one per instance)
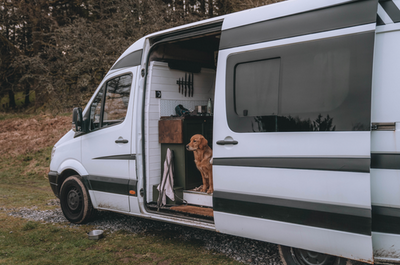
(241, 249)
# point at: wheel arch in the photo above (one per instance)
(295, 256)
(69, 168)
(64, 175)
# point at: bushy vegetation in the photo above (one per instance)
(60, 50)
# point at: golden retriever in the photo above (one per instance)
(203, 159)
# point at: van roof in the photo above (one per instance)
(257, 14)
(246, 17)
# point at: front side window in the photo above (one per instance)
(321, 85)
(117, 99)
(95, 110)
(111, 103)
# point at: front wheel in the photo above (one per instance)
(295, 256)
(75, 202)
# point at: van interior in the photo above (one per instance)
(179, 85)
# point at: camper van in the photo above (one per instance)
(304, 129)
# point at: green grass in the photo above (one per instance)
(22, 115)
(24, 183)
(23, 180)
(8, 116)
(28, 242)
(19, 99)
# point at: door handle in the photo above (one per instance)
(121, 141)
(224, 142)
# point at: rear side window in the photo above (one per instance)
(132, 59)
(257, 88)
(111, 103)
(321, 85)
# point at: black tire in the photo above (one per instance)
(296, 256)
(75, 201)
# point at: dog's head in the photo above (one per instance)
(197, 142)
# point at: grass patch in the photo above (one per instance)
(24, 183)
(8, 116)
(19, 99)
(23, 180)
(29, 226)
(27, 242)
(22, 115)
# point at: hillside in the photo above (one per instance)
(19, 136)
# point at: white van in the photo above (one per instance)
(304, 130)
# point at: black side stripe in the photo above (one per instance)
(310, 163)
(118, 157)
(386, 219)
(391, 9)
(385, 161)
(111, 185)
(132, 186)
(334, 217)
(379, 21)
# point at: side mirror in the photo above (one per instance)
(77, 120)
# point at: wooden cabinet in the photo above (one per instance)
(175, 134)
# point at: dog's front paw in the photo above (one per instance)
(210, 191)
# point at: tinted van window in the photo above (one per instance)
(257, 88)
(321, 85)
(110, 105)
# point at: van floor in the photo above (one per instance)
(186, 210)
(204, 211)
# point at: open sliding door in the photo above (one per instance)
(292, 126)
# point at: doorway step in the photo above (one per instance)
(197, 198)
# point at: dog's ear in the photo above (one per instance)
(203, 143)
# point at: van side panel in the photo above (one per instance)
(385, 144)
(107, 148)
(297, 106)
(305, 237)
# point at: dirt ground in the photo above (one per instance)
(21, 136)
